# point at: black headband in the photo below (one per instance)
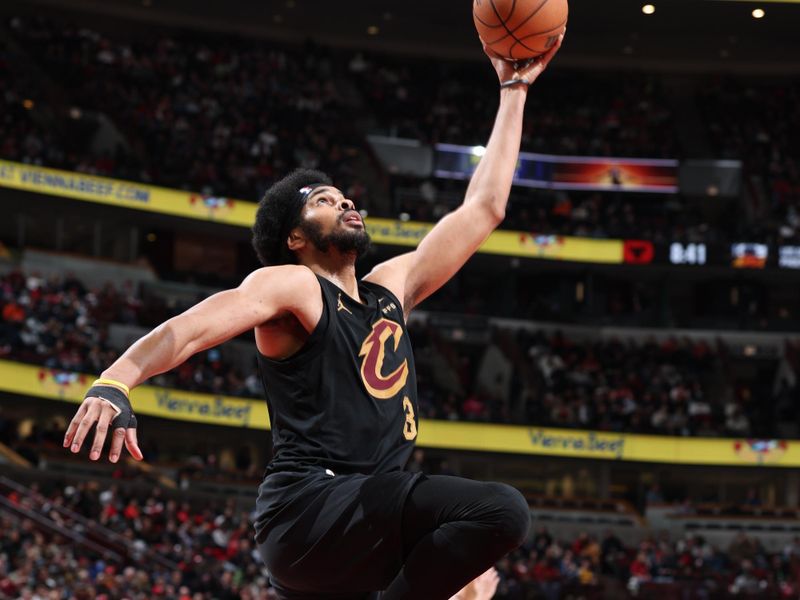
(296, 205)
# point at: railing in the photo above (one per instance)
(10, 456)
(49, 525)
(98, 537)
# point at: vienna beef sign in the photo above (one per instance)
(19, 382)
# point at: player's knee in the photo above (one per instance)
(515, 515)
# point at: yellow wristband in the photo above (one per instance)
(117, 384)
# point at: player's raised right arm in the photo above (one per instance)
(263, 295)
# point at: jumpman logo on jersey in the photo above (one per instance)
(340, 305)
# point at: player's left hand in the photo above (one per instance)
(526, 71)
(105, 416)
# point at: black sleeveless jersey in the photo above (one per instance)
(347, 401)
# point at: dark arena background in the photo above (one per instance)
(624, 350)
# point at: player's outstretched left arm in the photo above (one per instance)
(416, 275)
(263, 295)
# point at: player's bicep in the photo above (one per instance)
(263, 295)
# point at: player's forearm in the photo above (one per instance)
(491, 182)
(164, 348)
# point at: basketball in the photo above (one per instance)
(519, 29)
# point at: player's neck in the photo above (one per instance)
(339, 270)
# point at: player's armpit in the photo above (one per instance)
(392, 275)
(416, 275)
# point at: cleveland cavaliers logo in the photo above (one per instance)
(373, 350)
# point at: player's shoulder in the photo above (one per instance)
(295, 278)
(294, 272)
(392, 274)
(390, 271)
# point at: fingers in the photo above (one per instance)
(73, 425)
(531, 69)
(489, 52)
(90, 416)
(102, 413)
(547, 56)
(544, 59)
(116, 444)
(132, 444)
(101, 431)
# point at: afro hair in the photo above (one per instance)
(274, 210)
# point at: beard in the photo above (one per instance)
(344, 240)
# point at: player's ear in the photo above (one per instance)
(296, 240)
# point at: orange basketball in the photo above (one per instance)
(518, 29)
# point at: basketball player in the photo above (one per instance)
(337, 516)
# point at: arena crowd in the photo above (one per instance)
(214, 556)
(227, 117)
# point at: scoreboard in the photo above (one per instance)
(739, 255)
(688, 254)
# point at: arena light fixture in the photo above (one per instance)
(478, 150)
(373, 30)
(648, 9)
(764, 1)
(758, 13)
